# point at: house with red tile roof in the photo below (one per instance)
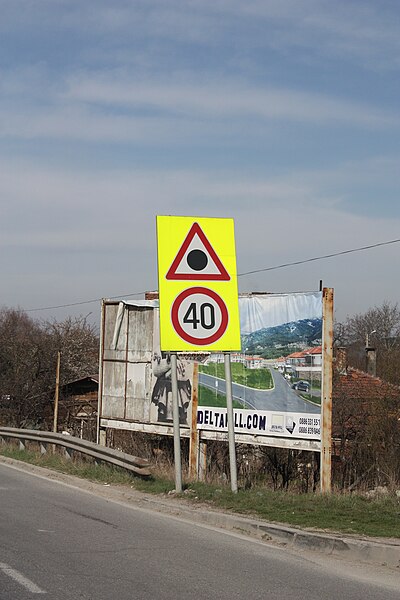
(359, 385)
(306, 364)
(365, 426)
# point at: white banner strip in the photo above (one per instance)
(286, 424)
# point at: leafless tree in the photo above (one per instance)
(379, 327)
(23, 366)
(78, 342)
(28, 355)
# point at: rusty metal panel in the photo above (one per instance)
(113, 400)
(127, 361)
(140, 334)
(138, 391)
(117, 352)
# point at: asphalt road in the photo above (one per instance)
(281, 398)
(59, 541)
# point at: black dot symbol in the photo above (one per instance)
(197, 260)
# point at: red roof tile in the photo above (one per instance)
(360, 385)
(316, 350)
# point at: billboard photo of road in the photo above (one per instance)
(276, 378)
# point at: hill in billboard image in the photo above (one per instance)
(271, 342)
(274, 325)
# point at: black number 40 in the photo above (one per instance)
(203, 314)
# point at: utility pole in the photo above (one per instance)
(55, 423)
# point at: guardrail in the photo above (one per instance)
(139, 466)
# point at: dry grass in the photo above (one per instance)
(346, 513)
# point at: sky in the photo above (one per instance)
(281, 114)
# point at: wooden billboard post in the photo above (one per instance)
(326, 390)
(57, 393)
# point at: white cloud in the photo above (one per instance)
(227, 101)
(91, 110)
(364, 33)
(116, 202)
(361, 32)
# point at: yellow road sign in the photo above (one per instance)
(199, 307)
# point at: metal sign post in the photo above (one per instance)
(199, 306)
(175, 416)
(231, 424)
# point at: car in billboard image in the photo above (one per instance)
(301, 386)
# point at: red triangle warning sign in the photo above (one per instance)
(197, 259)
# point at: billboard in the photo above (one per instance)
(276, 378)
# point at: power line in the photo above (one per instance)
(282, 266)
(84, 302)
(307, 260)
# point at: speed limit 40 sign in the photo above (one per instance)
(197, 284)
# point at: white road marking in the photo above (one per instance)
(46, 530)
(21, 579)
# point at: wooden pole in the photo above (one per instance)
(57, 391)
(326, 389)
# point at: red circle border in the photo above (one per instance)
(182, 333)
